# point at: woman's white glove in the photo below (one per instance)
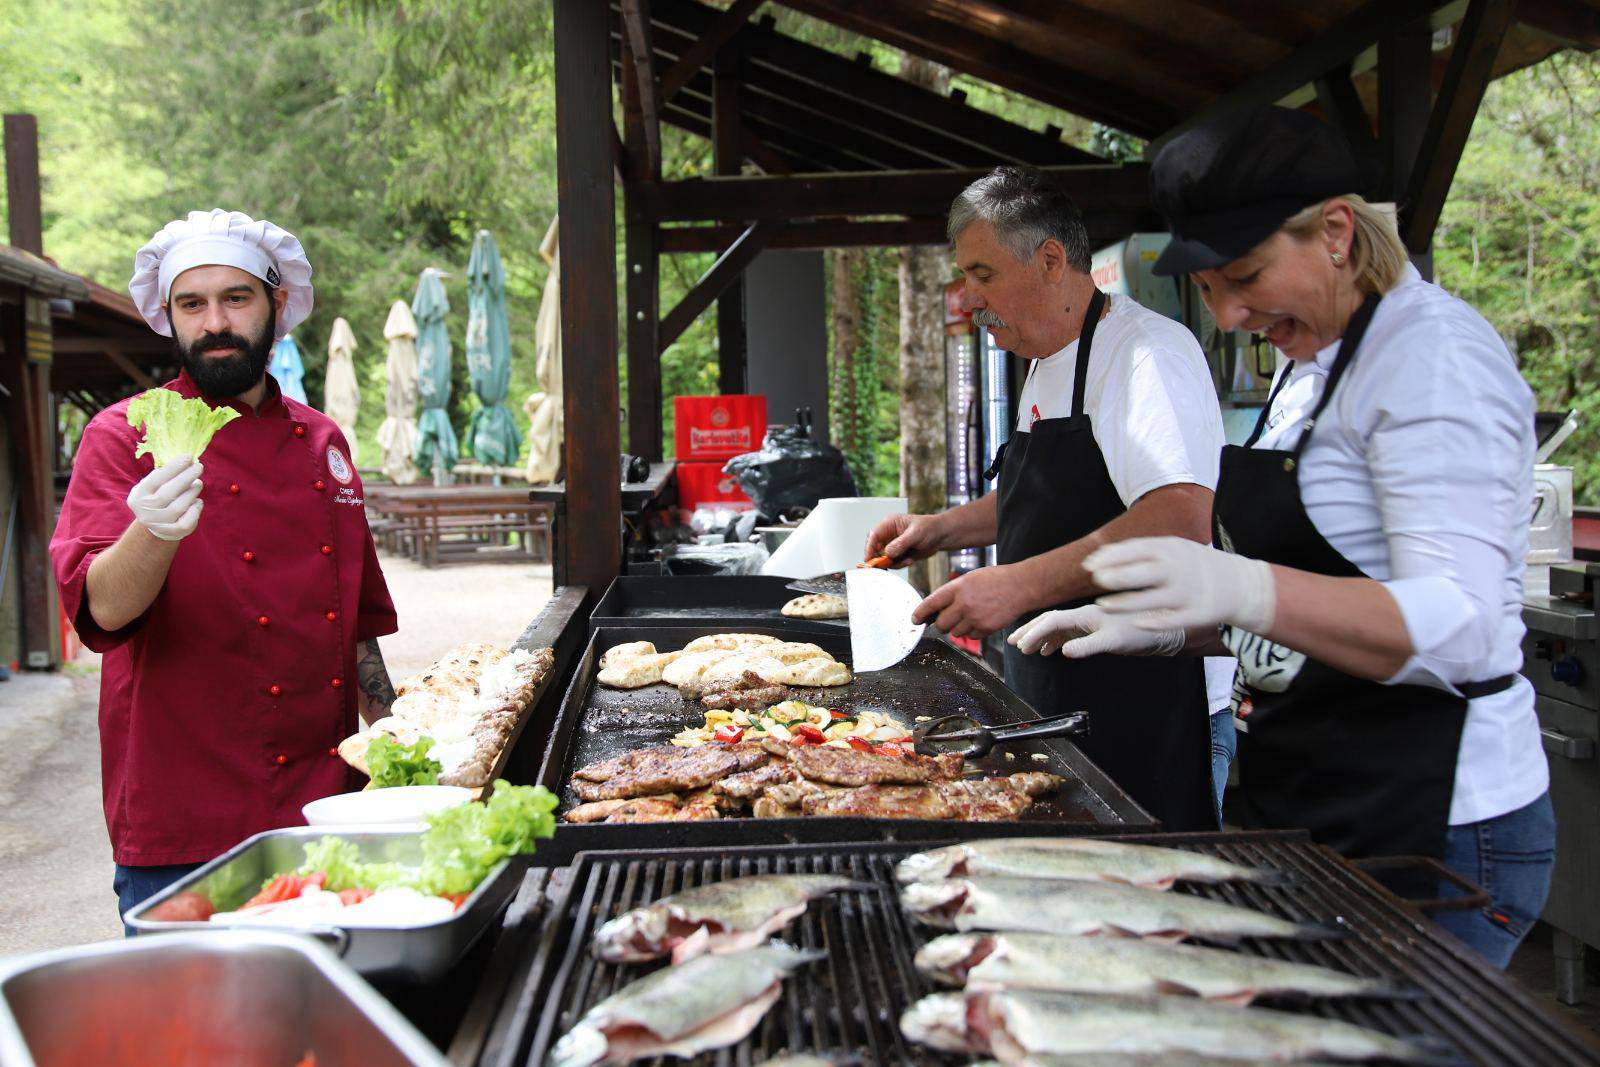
(1090, 631)
(167, 500)
(1179, 584)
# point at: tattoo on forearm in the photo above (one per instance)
(373, 677)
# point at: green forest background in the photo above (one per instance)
(385, 134)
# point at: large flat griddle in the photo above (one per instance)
(703, 600)
(597, 722)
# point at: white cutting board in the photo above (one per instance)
(833, 537)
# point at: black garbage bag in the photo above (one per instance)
(791, 471)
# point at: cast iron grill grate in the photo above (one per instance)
(851, 1001)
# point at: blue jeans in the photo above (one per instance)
(135, 885)
(1510, 856)
(1224, 746)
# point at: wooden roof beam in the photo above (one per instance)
(1338, 45)
(922, 192)
(641, 111)
(1466, 79)
(906, 25)
(723, 273)
(1577, 24)
(705, 47)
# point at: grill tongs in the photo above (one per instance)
(966, 736)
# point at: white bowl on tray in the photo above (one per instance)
(384, 807)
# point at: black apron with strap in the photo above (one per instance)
(1148, 723)
(1368, 768)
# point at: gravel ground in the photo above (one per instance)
(55, 859)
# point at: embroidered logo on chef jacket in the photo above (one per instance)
(338, 466)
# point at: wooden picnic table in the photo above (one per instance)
(459, 523)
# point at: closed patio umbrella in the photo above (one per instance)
(546, 417)
(341, 396)
(287, 369)
(397, 437)
(492, 435)
(436, 440)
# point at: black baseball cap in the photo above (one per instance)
(1226, 186)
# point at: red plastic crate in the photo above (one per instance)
(704, 483)
(718, 427)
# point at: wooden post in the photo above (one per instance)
(22, 183)
(727, 144)
(591, 545)
(642, 238)
(27, 381)
(1405, 100)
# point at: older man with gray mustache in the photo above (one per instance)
(1118, 436)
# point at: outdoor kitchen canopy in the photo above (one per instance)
(847, 155)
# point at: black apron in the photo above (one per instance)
(1368, 768)
(1148, 723)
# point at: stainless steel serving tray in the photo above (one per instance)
(247, 998)
(415, 953)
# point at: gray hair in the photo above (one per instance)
(1026, 209)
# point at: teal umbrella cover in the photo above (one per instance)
(492, 434)
(436, 441)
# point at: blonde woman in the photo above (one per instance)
(1367, 572)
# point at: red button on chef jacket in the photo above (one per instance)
(196, 753)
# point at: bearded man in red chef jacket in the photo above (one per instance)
(237, 601)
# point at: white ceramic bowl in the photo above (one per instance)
(399, 804)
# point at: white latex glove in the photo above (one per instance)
(1090, 631)
(167, 500)
(1177, 584)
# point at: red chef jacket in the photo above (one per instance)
(222, 705)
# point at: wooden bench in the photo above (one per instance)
(435, 525)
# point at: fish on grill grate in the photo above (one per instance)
(716, 918)
(1067, 964)
(1083, 908)
(1014, 1024)
(708, 1002)
(1076, 859)
(660, 770)
(1139, 1059)
(849, 766)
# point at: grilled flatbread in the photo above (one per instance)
(792, 651)
(817, 606)
(626, 650)
(728, 641)
(811, 672)
(689, 666)
(636, 672)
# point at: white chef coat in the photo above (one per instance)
(1420, 472)
(1153, 410)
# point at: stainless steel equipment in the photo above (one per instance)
(417, 953)
(244, 998)
(1561, 656)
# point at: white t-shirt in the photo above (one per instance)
(1420, 472)
(1153, 411)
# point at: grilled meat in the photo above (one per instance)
(983, 799)
(750, 755)
(646, 809)
(880, 802)
(609, 768)
(747, 785)
(848, 766)
(758, 696)
(661, 770)
(601, 810)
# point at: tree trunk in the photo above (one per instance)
(923, 273)
(852, 427)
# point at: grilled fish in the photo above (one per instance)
(1076, 859)
(1080, 908)
(719, 917)
(709, 1002)
(1119, 965)
(1017, 1024)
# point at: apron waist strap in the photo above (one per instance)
(1474, 690)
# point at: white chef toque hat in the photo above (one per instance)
(221, 238)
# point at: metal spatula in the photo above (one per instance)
(881, 631)
(833, 584)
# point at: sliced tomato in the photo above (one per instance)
(286, 887)
(728, 735)
(806, 734)
(456, 898)
(356, 895)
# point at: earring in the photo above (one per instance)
(1338, 258)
